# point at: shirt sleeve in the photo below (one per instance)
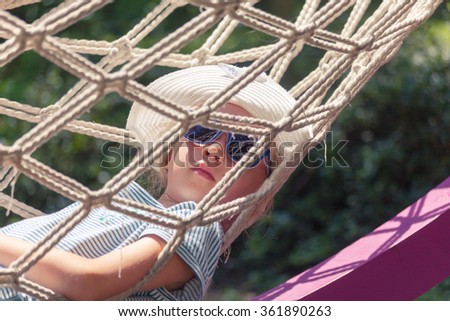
(200, 249)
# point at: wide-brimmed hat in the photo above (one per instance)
(263, 98)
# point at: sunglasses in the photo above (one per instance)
(237, 144)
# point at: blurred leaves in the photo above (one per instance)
(398, 148)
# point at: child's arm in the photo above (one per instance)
(79, 278)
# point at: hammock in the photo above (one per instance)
(350, 57)
(400, 260)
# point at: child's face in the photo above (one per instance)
(193, 170)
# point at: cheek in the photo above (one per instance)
(178, 157)
(246, 184)
(175, 162)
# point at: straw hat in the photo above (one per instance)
(263, 98)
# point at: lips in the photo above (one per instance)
(204, 171)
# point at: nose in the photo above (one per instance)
(213, 152)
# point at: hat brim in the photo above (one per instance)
(192, 87)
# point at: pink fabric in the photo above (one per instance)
(400, 260)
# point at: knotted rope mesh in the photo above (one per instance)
(349, 58)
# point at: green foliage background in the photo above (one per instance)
(396, 129)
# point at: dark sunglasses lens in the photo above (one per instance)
(200, 134)
(238, 146)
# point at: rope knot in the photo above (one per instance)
(32, 36)
(199, 56)
(121, 51)
(10, 156)
(47, 111)
(8, 276)
(366, 42)
(100, 198)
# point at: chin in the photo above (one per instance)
(192, 198)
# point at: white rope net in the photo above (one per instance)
(350, 57)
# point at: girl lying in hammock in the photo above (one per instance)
(84, 265)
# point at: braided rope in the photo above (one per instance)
(11, 4)
(349, 59)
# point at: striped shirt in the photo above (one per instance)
(103, 231)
